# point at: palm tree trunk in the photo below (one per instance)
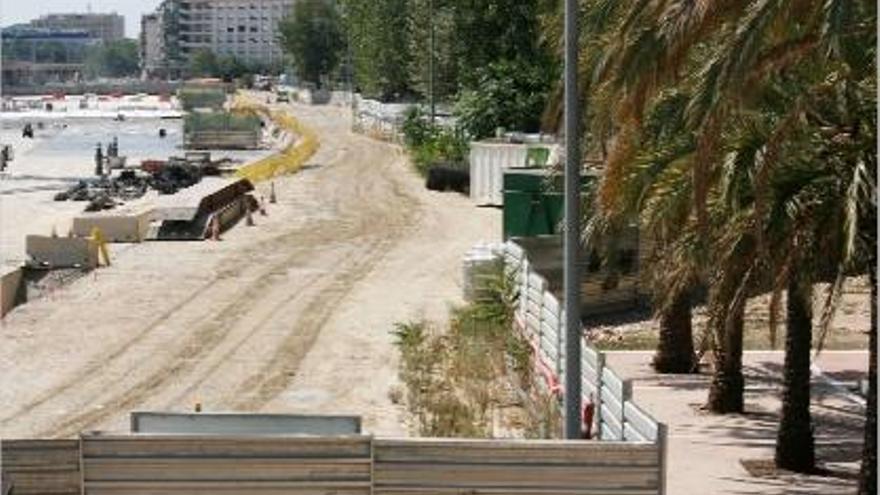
(726, 390)
(795, 447)
(868, 474)
(675, 349)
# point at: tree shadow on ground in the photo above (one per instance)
(838, 429)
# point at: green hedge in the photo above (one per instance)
(201, 97)
(220, 121)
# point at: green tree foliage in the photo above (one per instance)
(510, 94)
(113, 59)
(204, 63)
(391, 45)
(230, 68)
(431, 145)
(312, 35)
(379, 34)
(488, 31)
(446, 45)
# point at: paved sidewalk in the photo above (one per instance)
(705, 450)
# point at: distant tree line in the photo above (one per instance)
(489, 58)
(313, 36)
(205, 63)
(113, 59)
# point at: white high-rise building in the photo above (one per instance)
(153, 56)
(244, 29)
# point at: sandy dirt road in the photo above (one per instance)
(293, 315)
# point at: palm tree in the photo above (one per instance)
(816, 53)
(795, 446)
(675, 349)
(655, 191)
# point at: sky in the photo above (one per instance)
(15, 11)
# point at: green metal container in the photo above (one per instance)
(534, 203)
(528, 180)
(529, 214)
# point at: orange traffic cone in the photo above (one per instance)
(248, 216)
(215, 229)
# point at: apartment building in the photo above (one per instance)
(152, 46)
(106, 27)
(244, 29)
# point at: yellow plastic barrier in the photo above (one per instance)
(99, 239)
(289, 160)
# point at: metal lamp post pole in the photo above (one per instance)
(431, 62)
(572, 229)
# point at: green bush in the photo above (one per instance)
(220, 121)
(510, 94)
(431, 146)
(416, 129)
(202, 97)
(454, 379)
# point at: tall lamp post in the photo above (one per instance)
(572, 229)
(431, 44)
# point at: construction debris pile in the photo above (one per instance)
(164, 176)
(102, 193)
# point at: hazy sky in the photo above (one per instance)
(15, 11)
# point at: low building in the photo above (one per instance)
(106, 27)
(40, 55)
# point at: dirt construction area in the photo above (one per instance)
(291, 315)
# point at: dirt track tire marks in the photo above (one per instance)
(93, 368)
(250, 299)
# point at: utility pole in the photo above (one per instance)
(572, 229)
(431, 62)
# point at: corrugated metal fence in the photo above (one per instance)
(357, 465)
(421, 466)
(139, 465)
(44, 467)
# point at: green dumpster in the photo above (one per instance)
(534, 203)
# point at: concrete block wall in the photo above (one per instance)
(10, 287)
(61, 252)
